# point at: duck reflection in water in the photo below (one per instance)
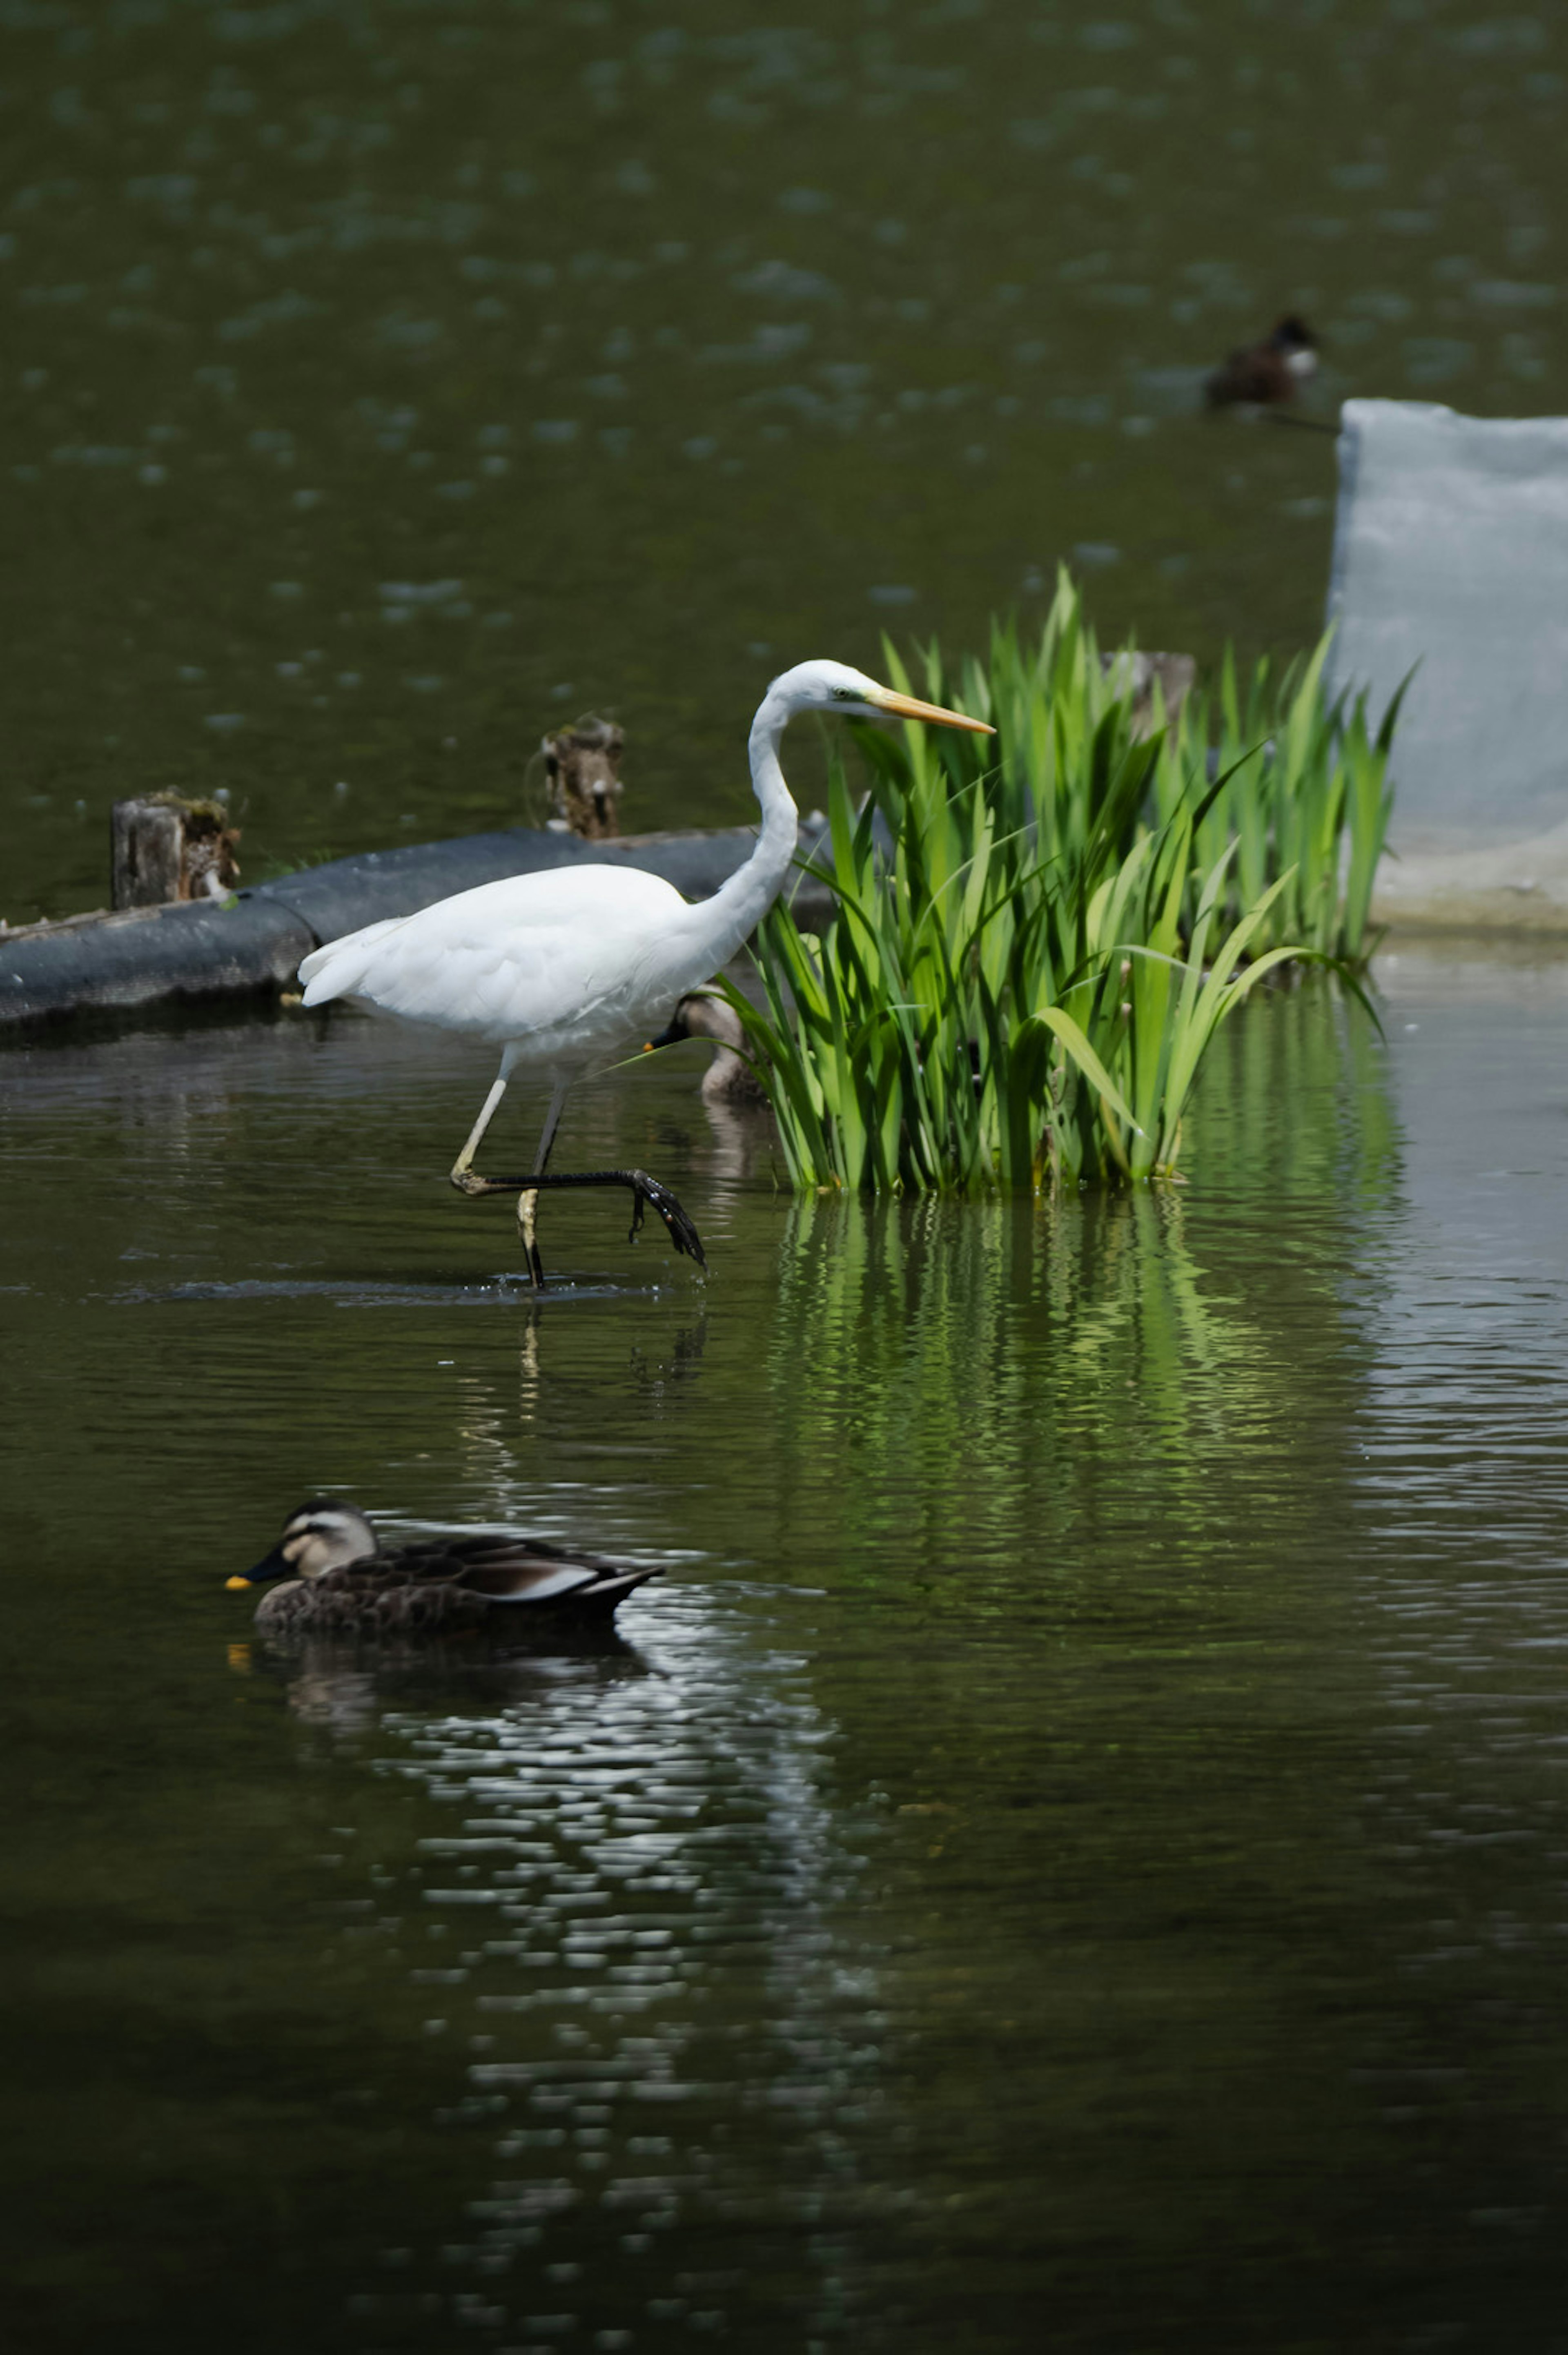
(329, 1575)
(344, 1686)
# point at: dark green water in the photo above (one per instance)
(1072, 1852)
(382, 381)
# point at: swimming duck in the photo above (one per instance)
(729, 1079)
(1266, 373)
(328, 1574)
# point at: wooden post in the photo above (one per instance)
(163, 849)
(583, 765)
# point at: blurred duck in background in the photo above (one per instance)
(1265, 375)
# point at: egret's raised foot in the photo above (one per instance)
(678, 1227)
(643, 1189)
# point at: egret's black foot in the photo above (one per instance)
(678, 1226)
(643, 1189)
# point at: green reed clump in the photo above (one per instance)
(1306, 791)
(1307, 795)
(1036, 936)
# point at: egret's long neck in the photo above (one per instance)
(736, 908)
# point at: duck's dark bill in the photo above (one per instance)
(273, 1566)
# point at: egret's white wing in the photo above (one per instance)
(575, 953)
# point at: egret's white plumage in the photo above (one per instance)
(559, 966)
(570, 968)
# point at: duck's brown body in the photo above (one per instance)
(1267, 373)
(508, 1586)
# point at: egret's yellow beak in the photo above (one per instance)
(235, 1586)
(908, 706)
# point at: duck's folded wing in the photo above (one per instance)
(530, 1573)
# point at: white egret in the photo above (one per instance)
(567, 970)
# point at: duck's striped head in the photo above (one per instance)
(322, 1535)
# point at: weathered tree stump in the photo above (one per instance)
(163, 849)
(584, 766)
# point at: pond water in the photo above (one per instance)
(1074, 1848)
(384, 383)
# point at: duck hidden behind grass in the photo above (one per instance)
(730, 1078)
(328, 1574)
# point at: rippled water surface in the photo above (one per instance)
(1073, 1849)
(384, 380)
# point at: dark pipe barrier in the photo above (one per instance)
(253, 944)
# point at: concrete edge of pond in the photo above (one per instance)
(250, 944)
(1518, 888)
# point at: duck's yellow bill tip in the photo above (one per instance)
(235, 1586)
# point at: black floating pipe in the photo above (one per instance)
(252, 943)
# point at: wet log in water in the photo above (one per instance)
(178, 935)
(251, 943)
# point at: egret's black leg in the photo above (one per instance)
(527, 1200)
(467, 1180)
(643, 1189)
(530, 1245)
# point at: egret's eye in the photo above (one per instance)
(845, 695)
